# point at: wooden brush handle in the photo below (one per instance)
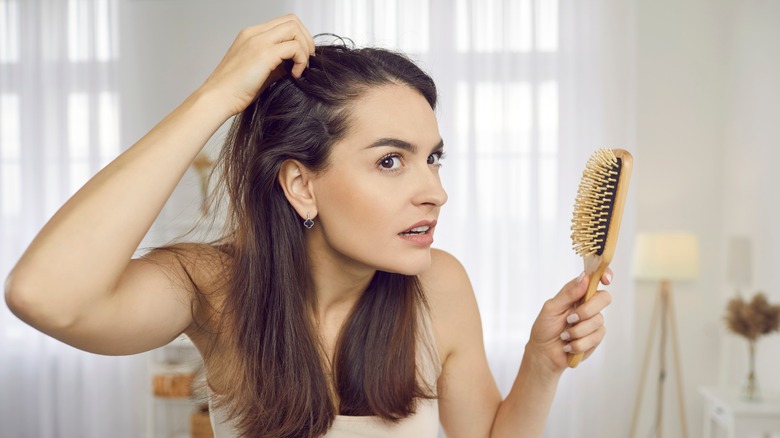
(593, 286)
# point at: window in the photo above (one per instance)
(9, 32)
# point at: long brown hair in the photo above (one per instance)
(276, 379)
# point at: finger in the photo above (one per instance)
(302, 36)
(291, 50)
(287, 32)
(606, 277)
(583, 329)
(301, 61)
(570, 294)
(589, 342)
(307, 39)
(600, 300)
(588, 353)
(307, 35)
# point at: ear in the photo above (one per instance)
(298, 185)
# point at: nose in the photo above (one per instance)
(429, 189)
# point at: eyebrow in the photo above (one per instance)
(401, 144)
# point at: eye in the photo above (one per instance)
(435, 158)
(390, 162)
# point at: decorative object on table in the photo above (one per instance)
(663, 258)
(203, 165)
(752, 320)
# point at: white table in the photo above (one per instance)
(724, 409)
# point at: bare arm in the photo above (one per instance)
(470, 404)
(76, 281)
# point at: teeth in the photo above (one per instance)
(416, 230)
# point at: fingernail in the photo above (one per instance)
(579, 279)
(572, 319)
(565, 336)
(609, 277)
(567, 348)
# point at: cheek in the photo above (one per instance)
(362, 220)
(355, 210)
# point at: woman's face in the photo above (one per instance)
(379, 199)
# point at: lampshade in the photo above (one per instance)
(666, 256)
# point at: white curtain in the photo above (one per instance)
(528, 89)
(59, 124)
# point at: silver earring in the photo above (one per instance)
(308, 223)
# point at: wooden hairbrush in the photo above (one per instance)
(598, 210)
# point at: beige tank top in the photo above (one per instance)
(423, 424)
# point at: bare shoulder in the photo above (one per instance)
(200, 269)
(451, 298)
(467, 393)
(200, 264)
(446, 280)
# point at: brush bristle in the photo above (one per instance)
(594, 203)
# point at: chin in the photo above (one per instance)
(415, 265)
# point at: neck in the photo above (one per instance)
(339, 282)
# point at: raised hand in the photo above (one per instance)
(255, 59)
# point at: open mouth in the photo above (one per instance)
(416, 231)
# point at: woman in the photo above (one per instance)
(322, 310)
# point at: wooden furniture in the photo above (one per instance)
(200, 425)
(171, 410)
(724, 410)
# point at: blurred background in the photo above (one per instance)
(528, 90)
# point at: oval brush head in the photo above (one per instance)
(598, 210)
(594, 203)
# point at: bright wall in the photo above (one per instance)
(751, 199)
(708, 87)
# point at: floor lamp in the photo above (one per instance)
(663, 258)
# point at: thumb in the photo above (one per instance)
(571, 293)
